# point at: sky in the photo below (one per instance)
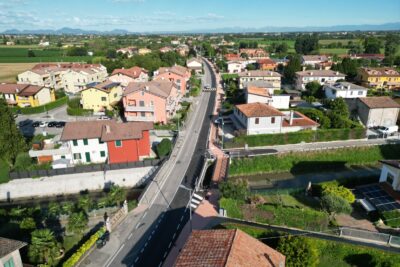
(184, 15)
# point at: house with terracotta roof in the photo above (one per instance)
(321, 76)
(9, 252)
(386, 78)
(176, 74)
(317, 61)
(195, 64)
(26, 95)
(254, 53)
(256, 94)
(261, 118)
(107, 141)
(155, 101)
(125, 76)
(378, 111)
(266, 64)
(232, 57)
(227, 248)
(100, 97)
(265, 75)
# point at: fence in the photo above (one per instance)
(375, 237)
(83, 169)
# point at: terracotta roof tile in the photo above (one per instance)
(379, 102)
(133, 72)
(20, 89)
(299, 120)
(160, 87)
(254, 90)
(259, 73)
(258, 110)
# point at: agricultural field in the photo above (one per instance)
(9, 71)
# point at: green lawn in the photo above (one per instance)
(333, 51)
(4, 169)
(301, 162)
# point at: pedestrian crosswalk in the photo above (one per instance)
(195, 200)
(210, 89)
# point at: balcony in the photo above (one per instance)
(139, 118)
(139, 109)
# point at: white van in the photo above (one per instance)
(388, 130)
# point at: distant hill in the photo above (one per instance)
(365, 27)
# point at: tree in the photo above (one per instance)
(44, 247)
(333, 188)
(335, 204)
(236, 189)
(299, 251)
(192, 52)
(251, 67)
(23, 161)
(164, 148)
(372, 45)
(54, 209)
(281, 48)
(305, 44)
(77, 222)
(117, 194)
(67, 207)
(289, 71)
(11, 140)
(347, 66)
(314, 88)
(59, 44)
(31, 53)
(338, 106)
(318, 116)
(111, 53)
(391, 43)
(27, 223)
(77, 51)
(85, 203)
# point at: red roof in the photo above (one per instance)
(133, 72)
(299, 120)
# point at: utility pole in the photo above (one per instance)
(190, 204)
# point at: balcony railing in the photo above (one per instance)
(138, 108)
(139, 118)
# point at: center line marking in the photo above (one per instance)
(130, 235)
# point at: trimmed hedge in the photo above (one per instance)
(391, 218)
(321, 135)
(41, 109)
(74, 259)
(79, 111)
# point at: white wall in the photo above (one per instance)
(332, 93)
(72, 183)
(396, 174)
(264, 126)
(44, 96)
(280, 101)
(93, 147)
(15, 255)
(235, 67)
(302, 81)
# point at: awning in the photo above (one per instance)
(366, 205)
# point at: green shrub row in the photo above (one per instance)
(78, 111)
(391, 218)
(40, 109)
(296, 137)
(83, 249)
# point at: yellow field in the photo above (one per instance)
(9, 71)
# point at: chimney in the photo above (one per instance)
(146, 88)
(337, 73)
(291, 118)
(108, 129)
(304, 68)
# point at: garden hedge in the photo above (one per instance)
(41, 109)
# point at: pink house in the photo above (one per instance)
(176, 74)
(155, 101)
(126, 76)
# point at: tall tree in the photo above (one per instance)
(372, 45)
(11, 140)
(391, 43)
(289, 71)
(44, 247)
(305, 44)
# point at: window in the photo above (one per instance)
(257, 121)
(63, 157)
(141, 103)
(143, 114)
(272, 120)
(102, 154)
(151, 103)
(390, 178)
(77, 156)
(85, 142)
(142, 93)
(9, 263)
(360, 92)
(118, 143)
(75, 142)
(103, 98)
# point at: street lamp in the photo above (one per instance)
(190, 204)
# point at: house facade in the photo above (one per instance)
(195, 64)
(256, 94)
(344, 90)
(101, 96)
(155, 101)
(107, 141)
(390, 173)
(321, 76)
(378, 111)
(26, 95)
(260, 75)
(266, 64)
(176, 74)
(316, 61)
(386, 78)
(9, 252)
(126, 76)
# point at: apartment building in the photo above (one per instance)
(321, 76)
(386, 78)
(126, 76)
(176, 74)
(101, 96)
(256, 75)
(26, 95)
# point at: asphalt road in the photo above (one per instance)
(145, 239)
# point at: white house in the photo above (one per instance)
(256, 94)
(9, 252)
(377, 111)
(194, 64)
(344, 90)
(236, 66)
(260, 118)
(126, 76)
(390, 173)
(255, 75)
(321, 76)
(316, 61)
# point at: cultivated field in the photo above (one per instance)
(9, 71)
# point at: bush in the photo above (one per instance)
(299, 251)
(335, 204)
(77, 222)
(22, 162)
(43, 108)
(236, 189)
(333, 188)
(27, 223)
(78, 111)
(391, 218)
(164, 148)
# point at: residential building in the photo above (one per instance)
(10, 43)
(260, 118)
(195, 64)
(26, 95)
(256, 94)
(107, 141)
(100, 97)
(176, 74)
(9, 252)
(237, 66)
(232, 57)
(378, 111)
(344, 90)
(166, 49)
(390, 174)
(72, 77)
(254, 53)
(49, 151)
(44, 43)
(155, 101)
(268, 86)
(321, 76)
(182, 50)
(316, 61)
(386, 78)
(129, 51)
(266, 64)
(144, 51)
(270, 76)
(377, 57)
(227, 248)
(126, 76)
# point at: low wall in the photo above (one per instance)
(73, 183)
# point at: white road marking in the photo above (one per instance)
(115, 255)
(144, 215)
(178, 226)
(130, 235)
(174, 236)
(137, 258)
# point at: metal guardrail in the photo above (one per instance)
(375, 237)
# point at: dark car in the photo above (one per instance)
(60, 124)
(36, 124)
(52, 124)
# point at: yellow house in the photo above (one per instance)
(101, 96)
(386, 78)
(26, 95)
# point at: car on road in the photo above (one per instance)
(207, 86)
(219, 120)
(52, 124)
(60, 124)
(36, 124)
(23, 123)
(389, 130)
(103, 118)
(42, 124)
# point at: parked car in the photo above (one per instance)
(389, 130)
(42, 124)
(60, 124)
(52, 124)
(103, 118)
(36, 124)
(23, 123)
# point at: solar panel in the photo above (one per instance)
(375, 194)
